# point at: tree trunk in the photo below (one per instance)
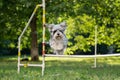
(34, 43)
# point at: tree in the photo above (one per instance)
(13, 19)
(81, 16)
(34, 43)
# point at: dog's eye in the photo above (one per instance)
(54, 31)
(61, 31)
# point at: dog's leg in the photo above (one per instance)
(61, 52)
(56, 52)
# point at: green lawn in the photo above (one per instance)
(63, 69)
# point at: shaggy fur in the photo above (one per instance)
(58, 40)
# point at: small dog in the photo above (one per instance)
(58, 40)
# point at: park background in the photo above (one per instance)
(81, 16)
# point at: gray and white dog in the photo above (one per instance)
(58, 40)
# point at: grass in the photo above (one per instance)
(63, 69)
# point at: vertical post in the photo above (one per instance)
(95, 46)
(19, 55)
(43, 42)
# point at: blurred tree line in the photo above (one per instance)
(81, 16)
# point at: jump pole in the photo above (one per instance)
(19, 39)
(43, 42)
(43, 49)
(83, 56)
(95, 59)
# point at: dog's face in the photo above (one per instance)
(56, 31)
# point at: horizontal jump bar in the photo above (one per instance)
(39, 65)
(82, 56)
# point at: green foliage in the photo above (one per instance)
(13, 20)
(81, 16)
(81, 33)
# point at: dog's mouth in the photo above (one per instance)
(58, 37)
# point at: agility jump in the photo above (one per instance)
(43, 45)
(43, 42)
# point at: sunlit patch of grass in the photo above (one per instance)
(62, 69)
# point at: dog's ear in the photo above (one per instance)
(63, 24)
(49, 26)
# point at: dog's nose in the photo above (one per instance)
(58, 34)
